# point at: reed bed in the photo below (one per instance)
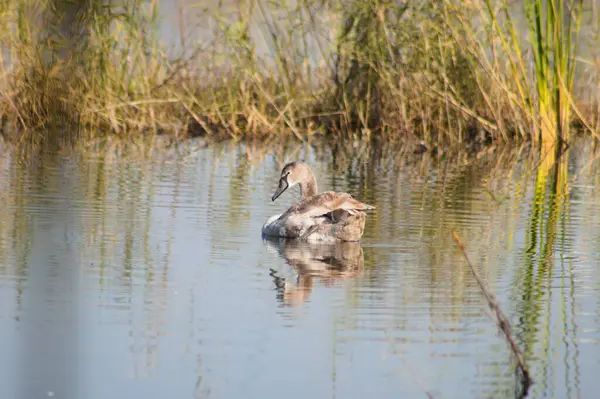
(435, 73)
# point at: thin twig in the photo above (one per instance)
(501, 320)
(410, 370)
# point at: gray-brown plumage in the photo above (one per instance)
(329, 216)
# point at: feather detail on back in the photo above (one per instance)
(326, 202)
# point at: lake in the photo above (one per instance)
(143, 274)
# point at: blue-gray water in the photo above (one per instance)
(131, 276)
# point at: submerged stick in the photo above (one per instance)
(501, 320)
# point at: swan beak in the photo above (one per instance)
(283, 185)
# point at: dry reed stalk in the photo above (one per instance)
(501, 320)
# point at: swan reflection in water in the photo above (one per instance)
(312, 262)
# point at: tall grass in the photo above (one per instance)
(550, 23)
(539, 70)
(437, 73)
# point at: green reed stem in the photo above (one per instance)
(554, 47)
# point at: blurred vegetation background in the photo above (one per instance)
(438, 73)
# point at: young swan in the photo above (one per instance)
(328, 216)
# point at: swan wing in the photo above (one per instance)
(327, 202)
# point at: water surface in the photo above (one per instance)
(130, 276)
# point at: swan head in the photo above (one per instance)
(292, 174)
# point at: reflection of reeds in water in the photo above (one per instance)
(120, 254)
(323, 262)
(445, 194)
(539, 275)
(15, 226)
(119, 242)
(110, 227)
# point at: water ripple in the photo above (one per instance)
(148, 277)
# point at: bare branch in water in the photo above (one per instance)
(501, 320)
